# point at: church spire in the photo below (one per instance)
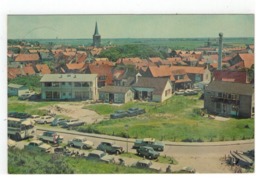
(96, 30)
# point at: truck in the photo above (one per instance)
(50, 137)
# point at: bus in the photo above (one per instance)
(19, 129)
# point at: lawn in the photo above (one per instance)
(173, 120)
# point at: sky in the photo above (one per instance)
(129, 26)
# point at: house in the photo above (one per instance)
(181, 80)
(104, 72)
(42, 69)
(152, 89)
(116, 94)
(17, 89)
(14, 72)
(242, 61)
(229, 99)
(69, 87)
(27, 58)
(155, 60)
(196, 74)
(28, 70)
(74, 67)
(46, 56)
(230, 76)
(124, 76)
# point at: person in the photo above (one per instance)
(169, 169)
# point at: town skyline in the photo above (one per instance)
(129, 26)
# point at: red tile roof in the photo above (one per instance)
(80, 58)
(248, 60)
(43, 68)
(161, 71)
(14, 72)
(102, 70)
(74, 66)
(226, 75)
(189, 69)
(27, 57)
(28, 70)
(155, 59)
(110, 63)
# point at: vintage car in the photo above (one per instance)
(57, 121)
(110, 148)
(50, 137)
(134, 111)
(44, 120)
(100, 156)
(148, 152)
(150, 142)
(180, 92)
(37, 145)
(81, 143)
(71, 123)
(147, 164)
(190, 92)
(119, 114)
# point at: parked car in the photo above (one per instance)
(100, 156)
(190, 92)
(180, 92)
(35, 118)
(37, 145)
(81, 142)
(148, 152)
(71, 123)
(147, 164)
(110, 148)
(57, 121)
(150, 142)
(51, 136)
(62, 150)
(135, 111)
(25, 96)
(119, 114)
(45, 120)
(19, 115)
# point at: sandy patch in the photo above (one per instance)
(75, 111)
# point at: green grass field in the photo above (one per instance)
(173, 120)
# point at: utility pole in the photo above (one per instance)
(126, 128)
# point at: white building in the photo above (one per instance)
(69, 87)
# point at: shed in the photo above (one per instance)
(116, 94)
(17, 89)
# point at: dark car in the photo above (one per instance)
(119, 114)
(19, 115)
(110, 148)
(146, 164)
(135, 111)
(71, 123)
(150, 142)
(57, 121)
(100, 156)
(148, 152)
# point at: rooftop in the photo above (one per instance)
(68, 77)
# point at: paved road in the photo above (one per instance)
(204, 157)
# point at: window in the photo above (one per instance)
(47, 84)
(85, 84)
(48, 95)
(63, 94)
(220, 95)
(55, 84)
(56, 95)
(63, 83)
(77, 84)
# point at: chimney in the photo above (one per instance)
(220, 44)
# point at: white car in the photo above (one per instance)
(81, 142)
(45, 120)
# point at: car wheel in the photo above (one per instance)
(45, 122)
(150, 157)
(71, 145)
(85, 147)
(117, 152)
(17, 137)
(159, 149)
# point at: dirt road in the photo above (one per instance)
(205, 158)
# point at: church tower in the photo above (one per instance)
(96, 37)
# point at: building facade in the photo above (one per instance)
(69, 87)
(229, 99)
(116, 94)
